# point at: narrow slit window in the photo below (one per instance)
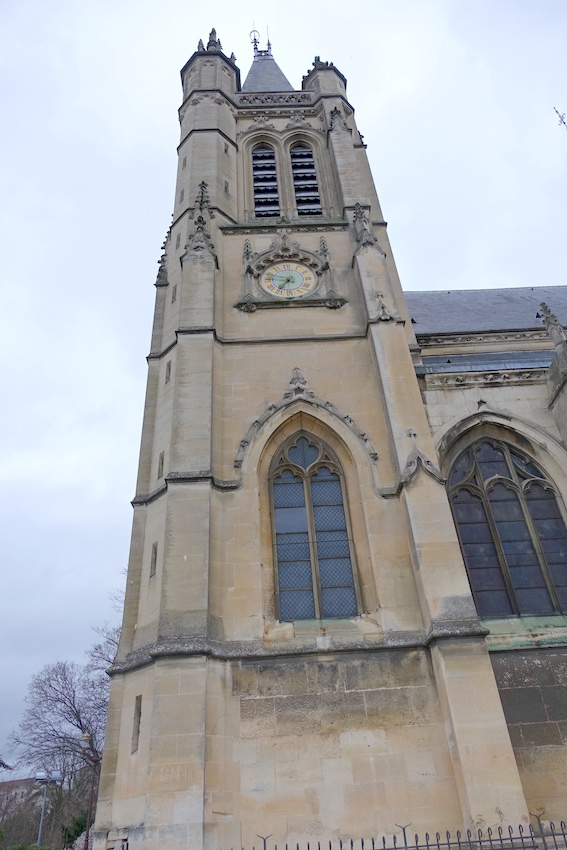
(153, 560)
(313, 548)
(136, 724)
(307, 198)
(265, 178)
(161, 461)
(512, 531)
(174, 292)
(168, 372)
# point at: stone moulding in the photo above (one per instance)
(275, 99)
(434, 341)
(459, 380)
(416, 460)
(234, 650)
(249, 304)
(251, 228)
(301, 392)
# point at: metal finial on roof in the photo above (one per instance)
(255, 39)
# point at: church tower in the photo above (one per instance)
(301, 656)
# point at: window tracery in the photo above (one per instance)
(313, 550)
(512, 531)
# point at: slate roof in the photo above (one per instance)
(478, 310)
(265, 75)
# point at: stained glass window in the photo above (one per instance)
(313, 549)
(512, 531)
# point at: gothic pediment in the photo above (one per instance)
(300, 391)
(285, 249)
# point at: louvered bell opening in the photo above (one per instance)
(266, 200)
(307, 197)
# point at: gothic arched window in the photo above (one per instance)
(265, 179)
(512, 531)
(307, 200)
(313, 550)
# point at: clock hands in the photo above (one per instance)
(289, 282)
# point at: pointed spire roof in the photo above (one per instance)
(265, 74)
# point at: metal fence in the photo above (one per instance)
(544, 837)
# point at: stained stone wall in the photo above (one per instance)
(341, 746)
(533, 690)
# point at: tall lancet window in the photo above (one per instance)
(511, 526)
(313, 549)
(307, 198)
(265, 178)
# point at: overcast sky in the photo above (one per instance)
(455, 99)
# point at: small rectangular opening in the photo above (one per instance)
(174, 294)
(153, 561)
(160, 464)
(168, 372)
(136, 723)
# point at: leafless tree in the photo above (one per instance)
(101, 655)
(64, 701)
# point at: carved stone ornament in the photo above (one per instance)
(199, 244)
(260, 99)
(300, 391)
(284, 248)
(337, 120)
(161, 279)
(297, 121)
(202, 202)
(435, 341)
(383, 314)
(214, 42)
(477, 379)
(363, 230)
(261, 123)
(417, 459)
(553, 327)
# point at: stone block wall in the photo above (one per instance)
(341, 746)
(533, 690)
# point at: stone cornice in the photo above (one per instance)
(252, 227)
(338, 641)
(458, 339)
(500, 378)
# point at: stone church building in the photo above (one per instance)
(347, 592)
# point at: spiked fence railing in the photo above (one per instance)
(549, 837)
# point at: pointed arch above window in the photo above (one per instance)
(511, 526)
(265, 180)
(307, 198)
(313, 548)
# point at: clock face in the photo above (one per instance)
(288, 280)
